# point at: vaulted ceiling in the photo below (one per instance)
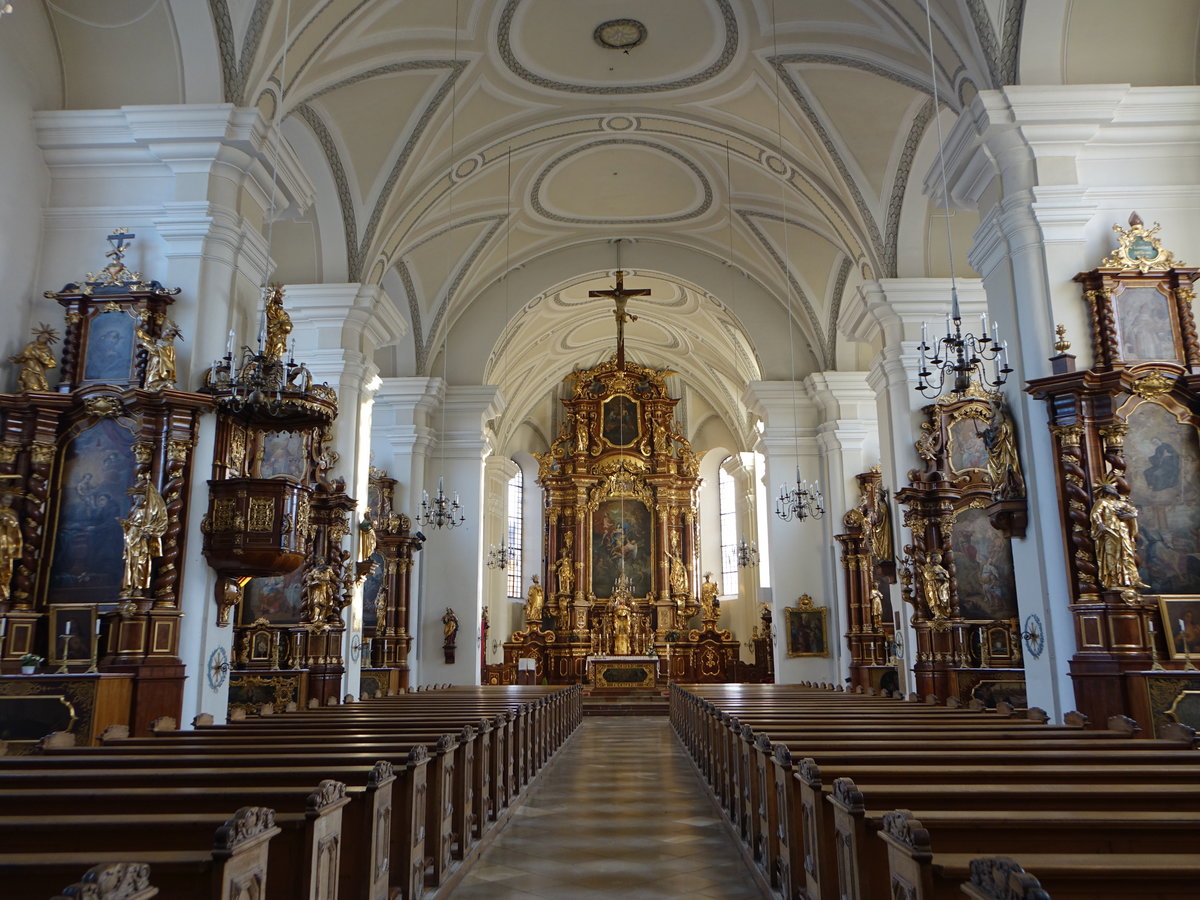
(486, 161)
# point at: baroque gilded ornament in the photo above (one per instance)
(1139, 248)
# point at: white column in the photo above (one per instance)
(193, 182)
(403, 437)
(789, 442)
(337, 328)
(453, 557)
(888, 314)
(497, 472)
(849, 440)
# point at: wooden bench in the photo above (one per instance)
(234, 866)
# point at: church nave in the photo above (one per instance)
(619, 812)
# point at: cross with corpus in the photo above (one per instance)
(620, 296)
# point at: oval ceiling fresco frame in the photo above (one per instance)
(535, 192)
(728, 51)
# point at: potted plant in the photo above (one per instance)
(30, 662)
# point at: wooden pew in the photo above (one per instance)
(234, 867)
(366, 822)
(917, 872)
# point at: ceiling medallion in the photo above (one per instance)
(620, 34)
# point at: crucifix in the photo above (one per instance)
(620, 296)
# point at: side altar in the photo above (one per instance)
(621, 542)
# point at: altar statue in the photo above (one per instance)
(35, 359)
(160, 356)
(533, 602)
(143, 530)
(321, 582)
(678, 574)
(710, 603)
(1115, 531)
(622, 617)
(449, 628)
(11, 544)
(279, 325)
(564, 571)
(935, 582)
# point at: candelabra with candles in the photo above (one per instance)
(800, 503)
(441, 511)
(958, 359)
(747, 554)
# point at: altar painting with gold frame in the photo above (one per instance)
(807, 628)
(621, 530)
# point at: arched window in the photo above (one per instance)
(729, 563)
(516, 494)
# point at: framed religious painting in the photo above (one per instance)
(807, 628)
(1181, 625)
(983, 563)
(619, 421)
(72, 633)
(110, 347)
(621, 543)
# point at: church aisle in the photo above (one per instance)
(619, 813)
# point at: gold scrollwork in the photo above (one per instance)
(41, 453)
(103, 407)
(225, 516)
(8, 453)
(262, 514)
(1153, 385)
(143, 452)
(177, 451)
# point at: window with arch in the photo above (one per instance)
(516, 499)
(728, 500)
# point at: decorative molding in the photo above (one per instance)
(728, 51)
(891, 251)
(535, 190)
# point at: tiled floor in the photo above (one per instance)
(619, 813)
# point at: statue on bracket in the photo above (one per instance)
(1004, 465)
(35, 359)
(935, 586)
(533, 602)
(710, 604)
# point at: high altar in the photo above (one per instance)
(623, 603)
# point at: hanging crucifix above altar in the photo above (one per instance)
(620, 297)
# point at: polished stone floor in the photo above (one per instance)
(619, 813)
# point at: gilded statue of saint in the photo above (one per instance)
(367, 541)
(533, 602)
(564, 571)
(143, 529)
(1004, 466)
(710, 603)
(279, 325)
(935, 581)
(321, 584)
(876, 609)
(678, 574)
(1115, 530)
(160, 356)
(12, 544)
(35, 359)
(622, 617)
(449, 628)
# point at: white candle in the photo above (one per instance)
(924, 332)
(983, 322)
(229, 344)
(99, 622)
(67, 630)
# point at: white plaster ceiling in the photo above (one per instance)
(455, 141)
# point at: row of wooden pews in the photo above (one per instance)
(860, 796)
(386, 798)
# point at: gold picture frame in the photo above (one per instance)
(1181, 624)
(807, 627)
(72, 634)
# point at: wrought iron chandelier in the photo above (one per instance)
(441, 511)
(747, 554)
(498, 557)
(956, 359)
(800, 503)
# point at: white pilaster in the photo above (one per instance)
(789, 442)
